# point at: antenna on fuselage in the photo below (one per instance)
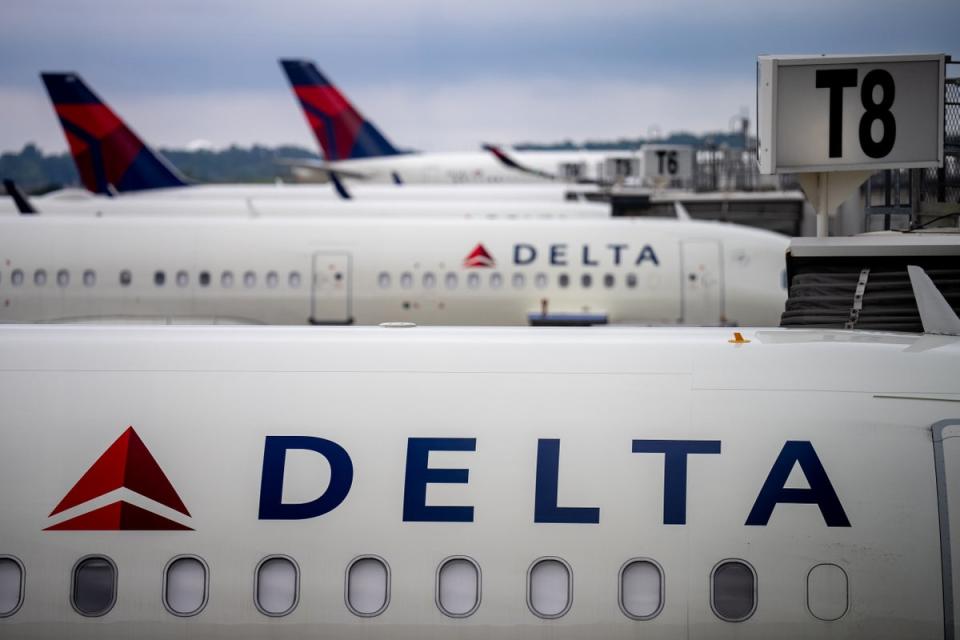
(936, 314)
(19, 199)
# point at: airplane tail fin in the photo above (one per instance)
(343, 133)
(109, 156)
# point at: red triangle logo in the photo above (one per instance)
(128, 464)
(479, 257)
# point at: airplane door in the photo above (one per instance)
(702, 282)
(946, 452)
(332, 296)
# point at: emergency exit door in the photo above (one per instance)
(332, 301)
(702, 287)
(946, 456)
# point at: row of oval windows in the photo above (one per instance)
(182, 278)
(733, 587)
(495, 280)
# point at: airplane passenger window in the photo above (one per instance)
(272, 279)
(540, 281)
(294, 280)
(450, 281)
(39, 277)
(185, 586)
(226, 279)
(641, 589)
(11, 586)
(249, 279)
(563, 280)
(473, 280)
(16, 278)
(89, 278)
(159, 278)
(383, 280)
(608, 280)
(733, 590)
(368, 586)
(631, 280)
(204, 278)
(429, 280)
(827, 592)
(518, 281)
(549, 588)
(183, 279)
(63, 278)
(277, 586)
(94, 589)
(125, 278)
(458, 587)
(586, 280)
(406, 280)
(496, 280)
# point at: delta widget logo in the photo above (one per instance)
(479, 258)
(126, 464)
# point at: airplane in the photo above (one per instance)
(367, 270)
(506, 483)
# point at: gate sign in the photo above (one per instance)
(848, 113)
(671, 162)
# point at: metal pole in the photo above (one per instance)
(822, 220)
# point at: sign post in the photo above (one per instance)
(834, 120)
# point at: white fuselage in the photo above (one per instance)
(612, 483)
(283, 270)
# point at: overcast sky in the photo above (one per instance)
(432, 75)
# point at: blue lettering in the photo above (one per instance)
(586, 257)
(275, 450)
(558, 255)
(647, 253)
(419, 475)
(529, 255)
(545, 500)
(820, 493)
(617, 248)
(675, 471)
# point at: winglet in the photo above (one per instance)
(682, 214)
(23, 204)
(936, 314)
(338, 185)
(510, 163)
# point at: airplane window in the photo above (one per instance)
(631, 280)
(563, 280)
(608, 280)
(540, 281)
(586, 280)
(89, 278)
(518, 281)
(16, 278)
(39, 277)
(11, 586)
(204, 279)
(183, 279)
(368, 586)
(125, 278)
(94, 589)
(549, 588)
(733, 590)
(458, 587)
(226, 279)
(278, 586)
(272, 279)
(249, 279)
(473, 280)
(406, 280)
(185, 586)
(294, 280)
(827, 592)
(383, 280)
(496, 280)
(450, 281)
(641, 589)
(63, 278)
(159, 278)
(429, 280)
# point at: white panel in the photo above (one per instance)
(702, 285)
(457, 590)
(641, 586)
(277, 586)
(331, 288)
(827, 592)
(11, 580)
(951, 458)
(367, 586)
(549, 588)
(186, 586)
